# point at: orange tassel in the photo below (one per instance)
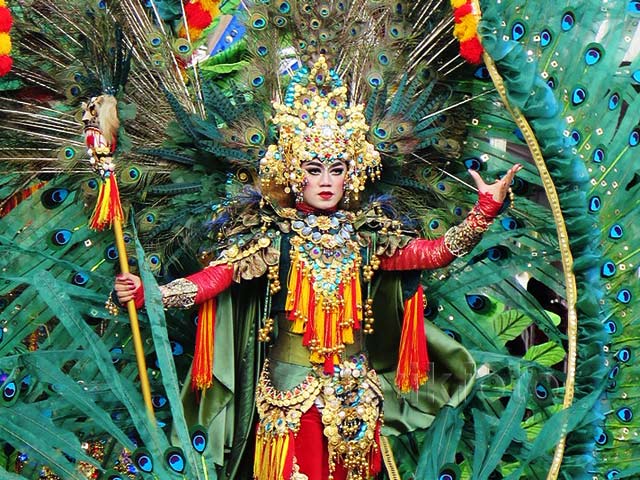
(413, 361)
(108, 207)
(202, 371)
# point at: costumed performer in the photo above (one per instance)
(319, 401)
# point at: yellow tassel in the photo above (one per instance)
(2, 4)
(270, 457)
(292, 283)
(283, 456)
(458, 3)
(103, 208)
(273, 452)
(334, 318)
(5, 44)
(303, 305)
(349, 314)
(258, 456)
(467, 28)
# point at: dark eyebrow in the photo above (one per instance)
(313, 163)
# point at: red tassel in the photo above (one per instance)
(310, 331)
(108, 207)
(328, 365)
(291, 453)
(354, 303)
(202, 371)
(328, 342)
(413, 361)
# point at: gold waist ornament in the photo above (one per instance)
(351, 406)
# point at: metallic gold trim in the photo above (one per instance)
(389, 461)
(565, 252)
(180, 293)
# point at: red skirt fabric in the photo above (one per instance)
(312, 452)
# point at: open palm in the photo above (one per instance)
(499, 188)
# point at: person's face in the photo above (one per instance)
(324, 184)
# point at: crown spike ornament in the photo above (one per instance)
(317, 122)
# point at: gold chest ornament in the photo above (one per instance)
(324, 298)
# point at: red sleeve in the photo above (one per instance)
(211, 281)
(419, 254)
(422, 254)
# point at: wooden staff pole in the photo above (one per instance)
(133, 318)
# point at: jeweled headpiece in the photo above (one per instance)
(317, 123)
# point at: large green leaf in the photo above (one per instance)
(565, 420)
(509, 324)
(63, 307)
(547, 354)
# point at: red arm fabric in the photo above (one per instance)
(211, 281)
(419, 254)
(422, 254)
(197, 288)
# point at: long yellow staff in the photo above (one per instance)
(100, 131)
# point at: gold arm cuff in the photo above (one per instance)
(461, 239)
(180, 293)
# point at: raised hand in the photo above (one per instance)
(499, 188)
(125, 287)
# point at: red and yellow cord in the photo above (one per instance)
(199, 15)
(6, 21)
(466, 17)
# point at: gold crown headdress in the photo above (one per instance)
(317, 123)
